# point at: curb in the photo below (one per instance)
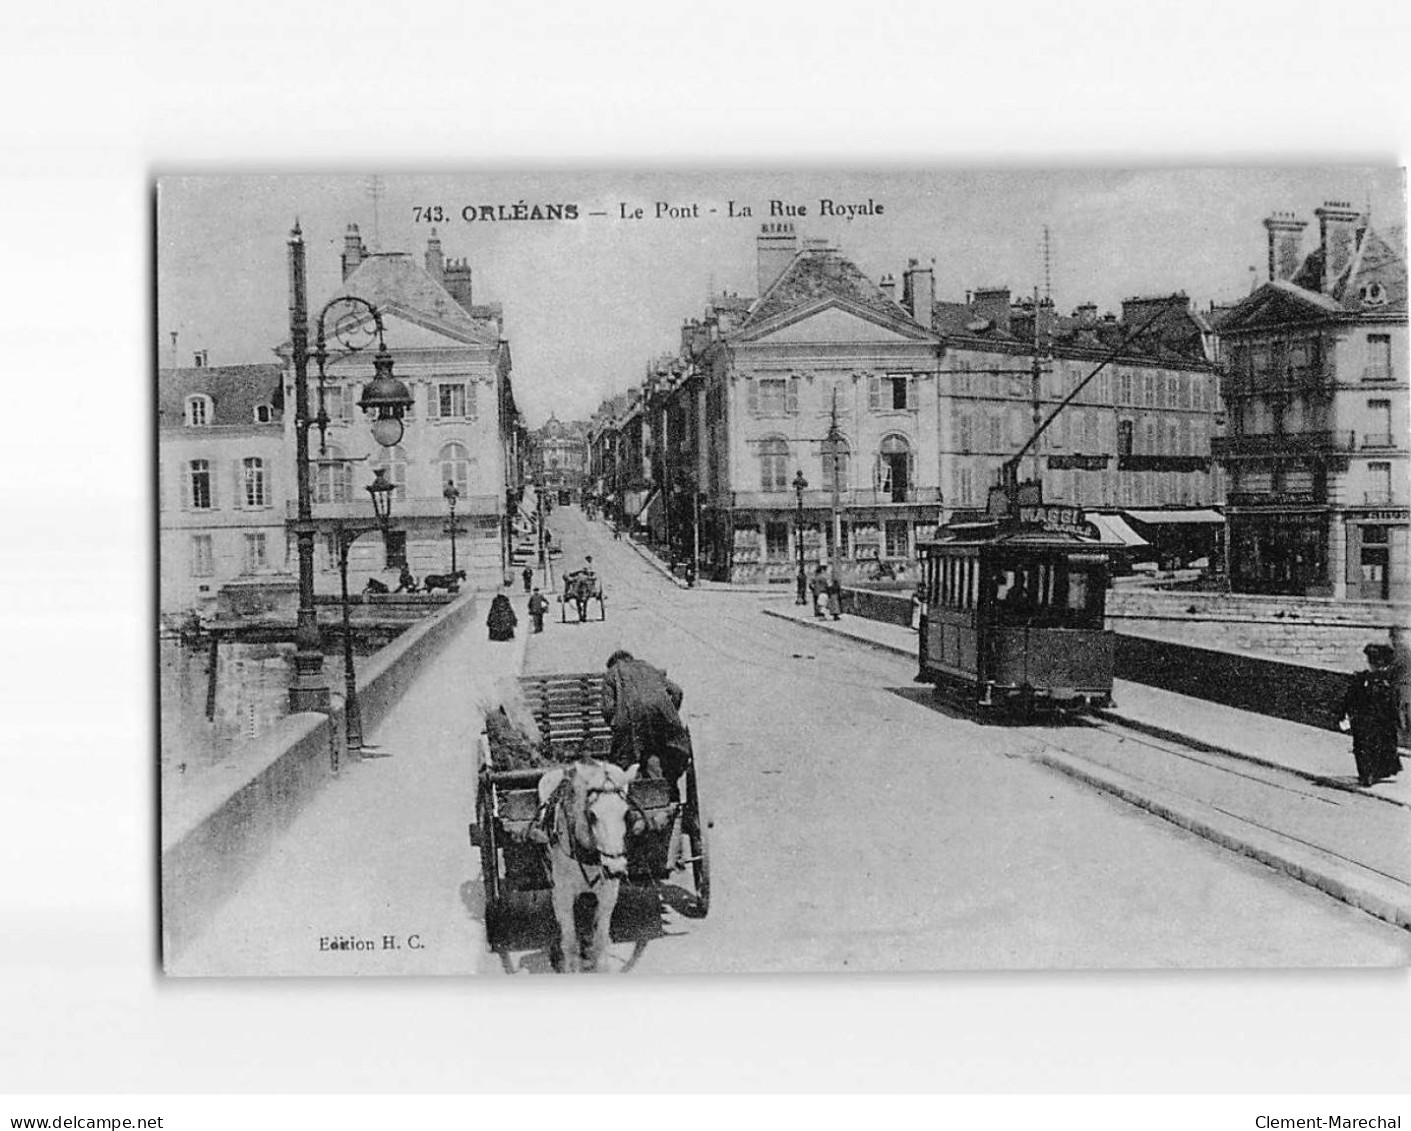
(878, 645)
(1170, 735)
(1307, 865)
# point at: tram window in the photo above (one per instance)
(1078, 589)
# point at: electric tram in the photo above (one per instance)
(1014, 609)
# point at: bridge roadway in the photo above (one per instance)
(856, 826)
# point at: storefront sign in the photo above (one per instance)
(1400, 514)
(1078, 463)
(1059, 520)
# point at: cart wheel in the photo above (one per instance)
(700, 871)
(602, 610)
(489, 867)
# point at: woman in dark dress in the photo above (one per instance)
(501, 620)
(1370, 707)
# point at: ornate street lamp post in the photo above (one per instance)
(381, 489)
(451, 495)
(385, 398)
(800, 486)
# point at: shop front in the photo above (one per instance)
(1280, 552)
(1376, 555)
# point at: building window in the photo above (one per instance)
(198, 411)
(254, 489)
(394, 544)
(774, 464)
(894, 469)
(200, 484)
(776, 541)
(331, 484)
(1373, 294)
(773, 395)
(334, 401)
(897, 543)
(1124, 437)
(965, 486)
(1379, 483)
(264, 413)
(835, 466)
(966, 428)
(202, 556)
(1378, 357)
(1379, 425)
(451, 401)
(455, 467)
(396, 467)
(900, 394)
(256, 553)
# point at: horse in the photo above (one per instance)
(580, 587)
(450, 582)
(375, 586)
(584, 815)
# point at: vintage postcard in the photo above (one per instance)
(711, 572)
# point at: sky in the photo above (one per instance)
(589, 302)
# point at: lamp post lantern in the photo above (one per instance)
(800, 486)
(385, 398)
(451, 494)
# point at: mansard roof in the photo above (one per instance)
(397, 284)
(235, 392)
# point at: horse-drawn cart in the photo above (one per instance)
(568, 711)
(580, 587)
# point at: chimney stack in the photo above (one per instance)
(993, 303)
(353, 251)
(776, 245)
(919, 292)
(1285, 244)
(435, 263)
(455, 277)
(1337, 238)
(1086, 313)
(888, 283)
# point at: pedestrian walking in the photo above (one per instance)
(538, 606)
(501, 620)
(818, 590)
(1370, 711)
(528, 574)
(834, 591)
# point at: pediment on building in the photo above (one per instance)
(1279, 304)
(835, 320)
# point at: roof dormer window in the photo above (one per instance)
(1373, 294)
(264, 413)
(198, 411)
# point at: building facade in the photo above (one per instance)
(463, 429)
(223, 478)
(1316, 386)
(559, 456)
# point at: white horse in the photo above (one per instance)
(584, 810)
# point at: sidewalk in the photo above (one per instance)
(1356, 851)
(382, 852)
(650, 557)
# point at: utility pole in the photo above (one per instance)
(834, 436)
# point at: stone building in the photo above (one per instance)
(463, 428)
(825, 375)
(1316, 388)
(223, 477)
(559, 456)
(1135, 441)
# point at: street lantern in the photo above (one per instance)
(451, 494)
(386, 399)
(381, 489)
(800, 486)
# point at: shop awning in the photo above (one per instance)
(1177, 517)
(650, 515)
(1112, 531)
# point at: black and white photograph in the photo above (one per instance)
(794, 571)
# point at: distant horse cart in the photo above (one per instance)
(575, 824)
(580, 587)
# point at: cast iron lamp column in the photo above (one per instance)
(451, 495)
(800, 486)
(381, 489)
(384, 396)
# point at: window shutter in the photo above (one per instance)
(877, 475)
(911, 394)
(471, 400)
(239, 500)
(911, 475)
(269, 483)
(433, 401)
(874, 393)
(751, 396)
(791, 396)
(186, 485)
